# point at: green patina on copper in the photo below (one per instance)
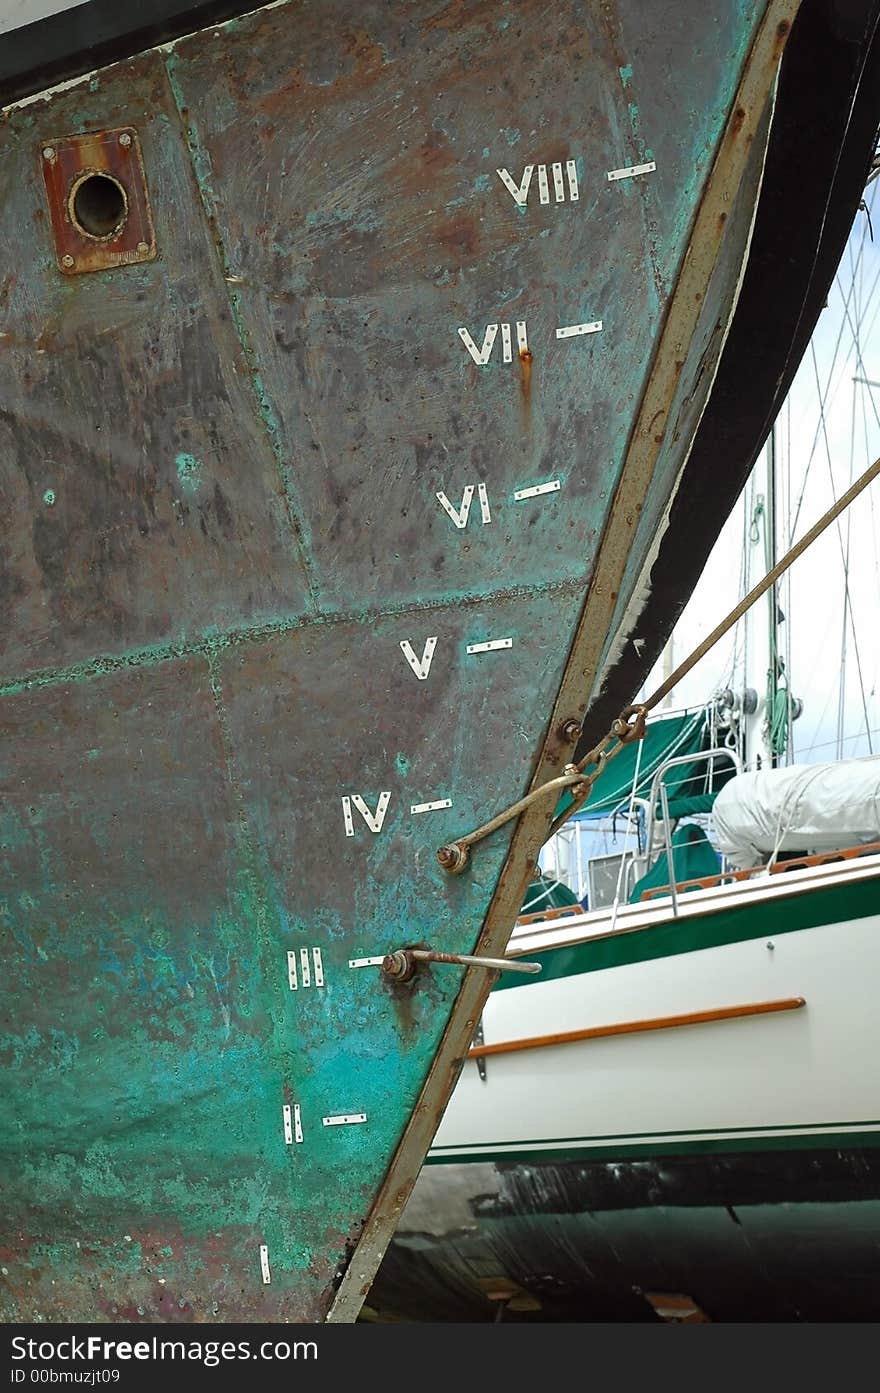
(189, 472)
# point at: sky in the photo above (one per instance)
(16, 12)
(827, 434)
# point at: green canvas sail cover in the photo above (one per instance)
(693, 856)
(546, 893)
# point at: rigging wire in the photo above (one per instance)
(848, 739)
(843, 556)
(789, 747)
(855, 329)
(850, 293)
(853, 308)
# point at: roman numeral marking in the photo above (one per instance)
(373, 820)
(482, 355)
(305, 968)
(421, 666)
(520, 192)
(483, 496)
(460, 515)
(264, 1264)
(291, 1123)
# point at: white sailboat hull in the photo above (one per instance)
(787, 1073)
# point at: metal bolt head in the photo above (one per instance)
(399, 966)
(125, 138)
(142, 248)
(570, 731)
(48, 152)
(67, 260)
(453, 858)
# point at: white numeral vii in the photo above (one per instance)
(482, 355)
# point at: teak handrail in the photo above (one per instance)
(818, 858)
(559, 912)
(598, 1032)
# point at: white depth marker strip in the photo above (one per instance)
(365, 962)
(505, 343)
(543, 186)
(291, 970)
(459, 515)
(264, 1264)
(343, 1119)
(480, 355)
(297, 1123)
(420, 666)
(572, 331)
(304, 967)
(288, 1127)
(431, 807)
(373, 820)
(319, 967)
(553, 486)
(631, 171)
(520, 192)
(492, 646)
(571, 171)
(483, 495)
(558, 186)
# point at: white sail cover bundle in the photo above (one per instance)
(806, 807)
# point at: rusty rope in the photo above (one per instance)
(630, 724)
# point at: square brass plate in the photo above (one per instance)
(98, 200)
